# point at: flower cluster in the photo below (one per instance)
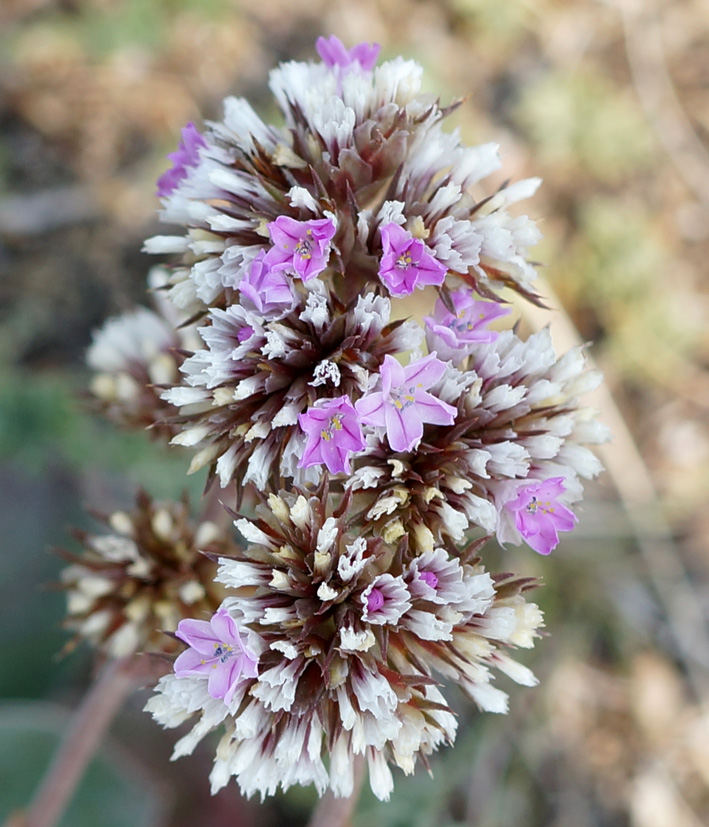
(384, 451)
(331, 645)
(126, 588)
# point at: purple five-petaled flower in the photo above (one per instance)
(268, 291)
(333, 431)
(407, 263)
(333, 53)
(185, 156)
(217, 649)
(452, 335)
(301, 248)
(403, 405)
(539, 516)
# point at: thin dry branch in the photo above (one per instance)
(658, 96)
(660, 555)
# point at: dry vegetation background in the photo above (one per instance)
(609, 103)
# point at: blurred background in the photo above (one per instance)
(609, 103)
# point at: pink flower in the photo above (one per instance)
(333, 431)
(403, 404)
(333, 53)
(452, 335)
(301, 248)
(267, 291)
(407, 262)
(539, 515)
(385, 600)
(185, 156)
(217, 649)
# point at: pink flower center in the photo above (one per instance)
(401, 399)
(223, 651)
(375, 600)
(335, 425)
(534, 505)
(429, 578)
(404, 261)
(304, 247)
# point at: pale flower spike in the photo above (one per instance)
(381, 452)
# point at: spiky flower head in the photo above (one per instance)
(297, 235)
(134, 357)
(126, 588)
(517, 422)
(344, 640)
(385, 452)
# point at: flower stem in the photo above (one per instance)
(336, 812)
(86, 730)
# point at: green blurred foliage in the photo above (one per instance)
(111, 794)
(581, 125)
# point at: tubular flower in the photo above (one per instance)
(453, 335)
(403, 405)
(185, 157)
(333, 53)
(539, 514)
(406, 263)
(333, 432)
(218, 650)
(301, 248)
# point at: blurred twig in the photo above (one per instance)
(660, 554)
(86, 730)
(337, 812)
(657, 94)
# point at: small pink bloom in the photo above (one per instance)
(217, 649)
(539, 515)
(333, 53)
(268, 291)
(452, 335)
(333, 431)
(301, 248)
(403, 405)
(186, 156)
(407, 263)
(375, 600)
(385, 600)
(429, 578)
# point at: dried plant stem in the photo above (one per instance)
(86, 730)
(337, 812)
(661, 557)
